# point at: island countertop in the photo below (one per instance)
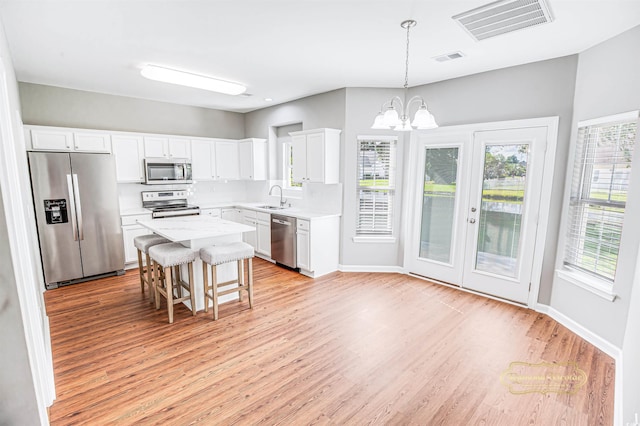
(196, 231)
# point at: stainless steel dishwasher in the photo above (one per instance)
(283, 240)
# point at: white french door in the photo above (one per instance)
(477, 200)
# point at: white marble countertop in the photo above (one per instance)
(195, 228)
(288, 211)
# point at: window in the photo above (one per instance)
(599, 189)
(289, 183)
(376, 185)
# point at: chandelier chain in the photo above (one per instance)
(406, 64)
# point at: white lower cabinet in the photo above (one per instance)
(263, 231)
(260, 239)
(130, 230)
(211, 212)
(232, 214)
(302, 245)
(318, 242)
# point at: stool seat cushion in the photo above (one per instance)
(144, 242)
(217, 255)
(172, 254)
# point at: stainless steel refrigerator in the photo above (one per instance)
(75, 197)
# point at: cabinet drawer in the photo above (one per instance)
(249, 214)
(263, 217)
(132, 219)
(211, 212)
(303, 224)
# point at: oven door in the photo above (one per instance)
(165, 171)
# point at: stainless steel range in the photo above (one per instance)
(168, 204)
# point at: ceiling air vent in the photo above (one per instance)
(504, 16)
(448, 57)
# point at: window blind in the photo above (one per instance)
(599, 187)
(376, 185)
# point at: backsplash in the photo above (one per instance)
(313, 196)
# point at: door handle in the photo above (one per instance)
(76, 191)
(72, 208)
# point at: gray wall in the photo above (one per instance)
(607, 83)
(323, 110)
(539, 89)
(56, 106)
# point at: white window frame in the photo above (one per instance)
(596, 284)
(371, 235)
(287, 167)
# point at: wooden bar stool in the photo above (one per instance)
(172, 256)
(143, 243)
(218, 255)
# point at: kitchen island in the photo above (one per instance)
(196, 232)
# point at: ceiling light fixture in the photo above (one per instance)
(168, 75)
(390, 119)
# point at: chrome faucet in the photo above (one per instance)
(282, 201)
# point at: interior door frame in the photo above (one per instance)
(411, 177)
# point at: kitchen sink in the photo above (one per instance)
(271, 207)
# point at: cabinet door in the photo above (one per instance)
(264, 238)
(303, 252)
(155, 146)
(245, 152)
(299, 157)
(250, 237)
(315, 157)
(227, 166)
(202, 167)
(129, 153)
(51, 140)
(128, 234)
(91, 142)
(179, 148)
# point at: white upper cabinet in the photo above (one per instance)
(253, 159)
(128, 151)
(167, 147)
(40, 138)
(203, 159)
(91, 142)
(179, 148)
(316, 155)
(226, 160)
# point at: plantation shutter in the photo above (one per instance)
(376, 185)
(601, 177)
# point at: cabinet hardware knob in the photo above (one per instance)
(472, 221)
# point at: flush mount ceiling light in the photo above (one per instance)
(391, 119)
(168, 75)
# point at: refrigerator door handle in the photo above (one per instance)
(72, 208)
(76, 191)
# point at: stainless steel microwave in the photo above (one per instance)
(163, 171)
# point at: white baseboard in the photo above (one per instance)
(604, 345)
(371, 268)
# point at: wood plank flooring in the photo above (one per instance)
(347, 348)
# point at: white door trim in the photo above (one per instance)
(411, 176)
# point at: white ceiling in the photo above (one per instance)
(282, 49)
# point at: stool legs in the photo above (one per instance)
(141, 270)
(170, 281)
(151, 282)
(250, 261)
(241, 281)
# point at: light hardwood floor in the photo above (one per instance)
(347, 348)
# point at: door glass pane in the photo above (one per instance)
(438, 203)
(503, 185)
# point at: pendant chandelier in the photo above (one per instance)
(396, 115)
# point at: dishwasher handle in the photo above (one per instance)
(281, 222)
